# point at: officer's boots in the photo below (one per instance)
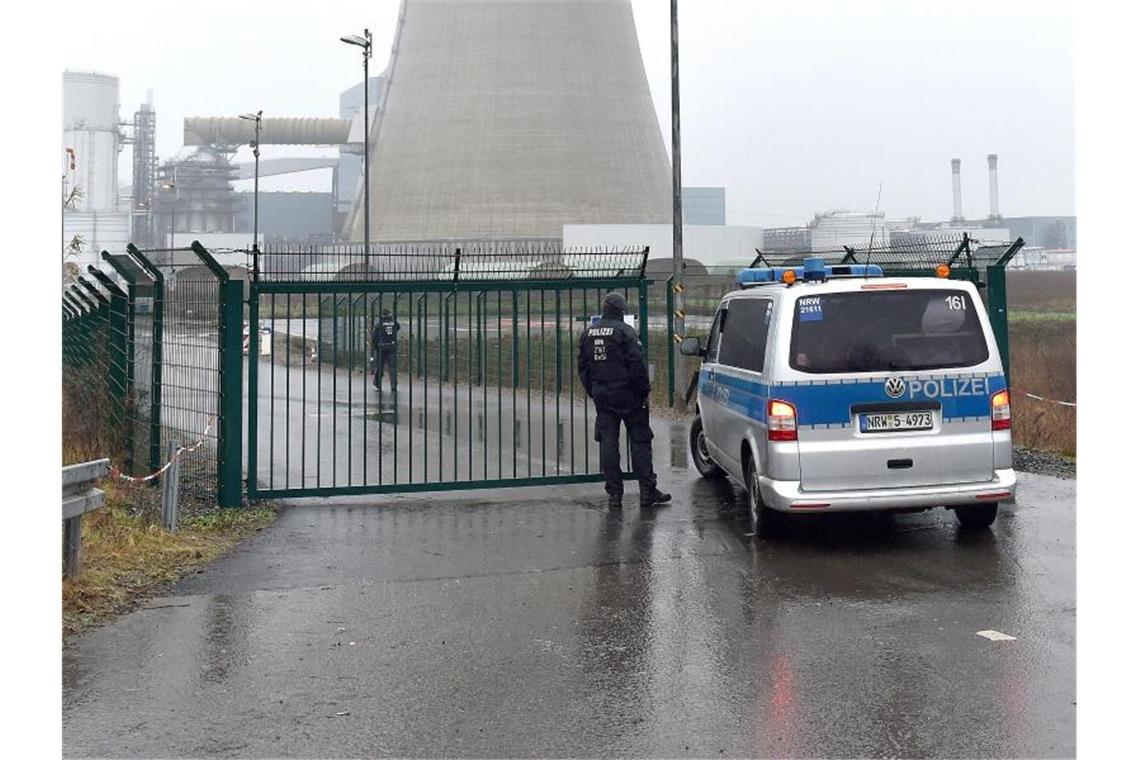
(654, 497)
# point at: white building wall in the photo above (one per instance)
(98, 232)
(837, 229)
(707, 243)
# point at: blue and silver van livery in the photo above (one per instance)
(826, 389)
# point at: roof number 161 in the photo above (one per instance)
(956, 303)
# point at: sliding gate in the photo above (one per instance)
(487, 393)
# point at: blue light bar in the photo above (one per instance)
(813, 269)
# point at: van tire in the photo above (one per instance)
(699, 452)
(976, 518)
(763, 520)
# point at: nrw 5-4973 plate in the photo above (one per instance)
(889, 422)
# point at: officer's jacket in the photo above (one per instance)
(611, 366)
(384, 333)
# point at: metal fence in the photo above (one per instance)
(487, 391)
(980, 262)
(147, 361)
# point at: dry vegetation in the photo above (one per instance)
(1043, 348)
(1050, 292)
(127, 557)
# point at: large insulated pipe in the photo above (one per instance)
(992, 158)
(956, 174)
(226, 130)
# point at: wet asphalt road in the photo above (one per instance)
(536, 622)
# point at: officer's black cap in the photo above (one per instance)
(614, 305)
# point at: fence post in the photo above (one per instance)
(996, 306)
(230, 294)
(515, 337)
(254, 357)
(131, 277)
(155, 356)
(229, 401)
(643, 315)
(671, 360)
(119, 361)
(996, 301)
(170, 489)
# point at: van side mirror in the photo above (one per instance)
(692, 347)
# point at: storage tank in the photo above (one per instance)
(91, 131)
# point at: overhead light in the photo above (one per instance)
(250, 116)
(353, 39)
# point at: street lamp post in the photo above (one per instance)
(255, 143)
(365, 43)
(678, 218)
(172, 188)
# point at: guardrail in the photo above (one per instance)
(79, 497)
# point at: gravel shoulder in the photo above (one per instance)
(1044, 463)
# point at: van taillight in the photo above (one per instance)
(781, 421)
(1001, 416)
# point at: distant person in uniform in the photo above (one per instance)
(384, 346)
(613, 370)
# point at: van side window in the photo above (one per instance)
(745, 333)
(714, 337)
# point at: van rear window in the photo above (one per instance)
(886, 331)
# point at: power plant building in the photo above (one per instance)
(508, 120)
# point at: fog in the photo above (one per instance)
(793, 107)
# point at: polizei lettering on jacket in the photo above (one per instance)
(598, 332)
(948, 386)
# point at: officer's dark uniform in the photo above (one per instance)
(614, 373)
(384, 344)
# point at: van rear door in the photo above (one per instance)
(902, 398)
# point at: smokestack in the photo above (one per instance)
(992, 158)
(956, 172)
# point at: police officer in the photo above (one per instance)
(384, 346)
(615, 375)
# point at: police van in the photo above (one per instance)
(834, 388)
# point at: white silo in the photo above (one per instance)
(94, 219)
(91, 129)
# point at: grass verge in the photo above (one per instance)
(127, 557)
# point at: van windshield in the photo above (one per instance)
(886, 331)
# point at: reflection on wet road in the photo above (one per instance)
(537, 622)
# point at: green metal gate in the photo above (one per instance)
(487, 390)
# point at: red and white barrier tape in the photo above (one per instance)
(1035, 397)
(177, 453)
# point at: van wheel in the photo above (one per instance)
(699, 451)
(763, 520)
(976, 518)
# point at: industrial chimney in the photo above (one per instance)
(992, 158)
(956, 173)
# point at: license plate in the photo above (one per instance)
(889, 422)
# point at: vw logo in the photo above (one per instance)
(894, 387)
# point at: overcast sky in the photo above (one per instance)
(793, 107)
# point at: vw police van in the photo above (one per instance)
(833, 388)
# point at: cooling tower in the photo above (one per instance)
(508, 119)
